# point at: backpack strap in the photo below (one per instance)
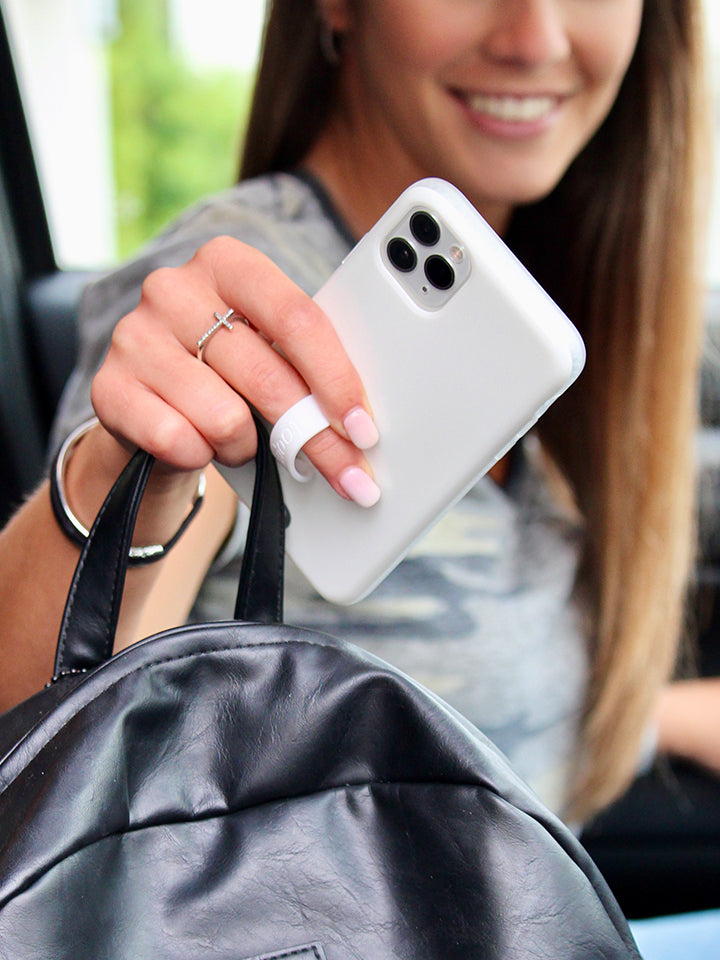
(260, 591)
(89, 623)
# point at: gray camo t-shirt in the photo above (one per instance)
(482, 611)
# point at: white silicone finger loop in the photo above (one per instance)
(292, 431)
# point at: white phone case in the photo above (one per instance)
(454, 381)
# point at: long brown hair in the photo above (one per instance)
(616, 244)
(294, 90)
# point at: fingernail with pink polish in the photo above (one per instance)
(361, 428)
(359, 486)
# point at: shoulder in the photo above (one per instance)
(280, 214)
(283, 215)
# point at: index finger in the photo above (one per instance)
(291, 320)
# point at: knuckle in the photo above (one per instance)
(231, 424)
(159, 285)
(129, 334)
(217, 252)
(168, 437)
(217, 247)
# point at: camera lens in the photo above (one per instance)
(439, 272)
(425, 229)
(401, 254)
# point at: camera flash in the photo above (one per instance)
(457, 254)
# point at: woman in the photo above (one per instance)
(576, 129)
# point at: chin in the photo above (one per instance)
(509, 194)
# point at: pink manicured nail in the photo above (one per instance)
(359, 486)
(361, 428)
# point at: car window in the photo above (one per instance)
(136, 109)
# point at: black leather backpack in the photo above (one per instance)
(253, 790)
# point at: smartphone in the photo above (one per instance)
(460, 351)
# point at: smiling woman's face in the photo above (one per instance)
(498, 96)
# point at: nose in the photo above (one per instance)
(528, 33)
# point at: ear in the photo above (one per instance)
(334, 14)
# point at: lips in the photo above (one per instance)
(512, 109)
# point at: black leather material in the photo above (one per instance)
(93, 604)
(243, 790)
(138, 556)
(260, 592)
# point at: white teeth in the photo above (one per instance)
(517, 109)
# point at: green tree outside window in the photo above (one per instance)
(176, 131)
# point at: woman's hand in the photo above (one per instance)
(153, 392)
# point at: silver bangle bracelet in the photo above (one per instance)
(77, 531)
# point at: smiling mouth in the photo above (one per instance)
(512, 109)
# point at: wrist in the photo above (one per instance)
(87, 466)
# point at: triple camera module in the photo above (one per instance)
(428, 259)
